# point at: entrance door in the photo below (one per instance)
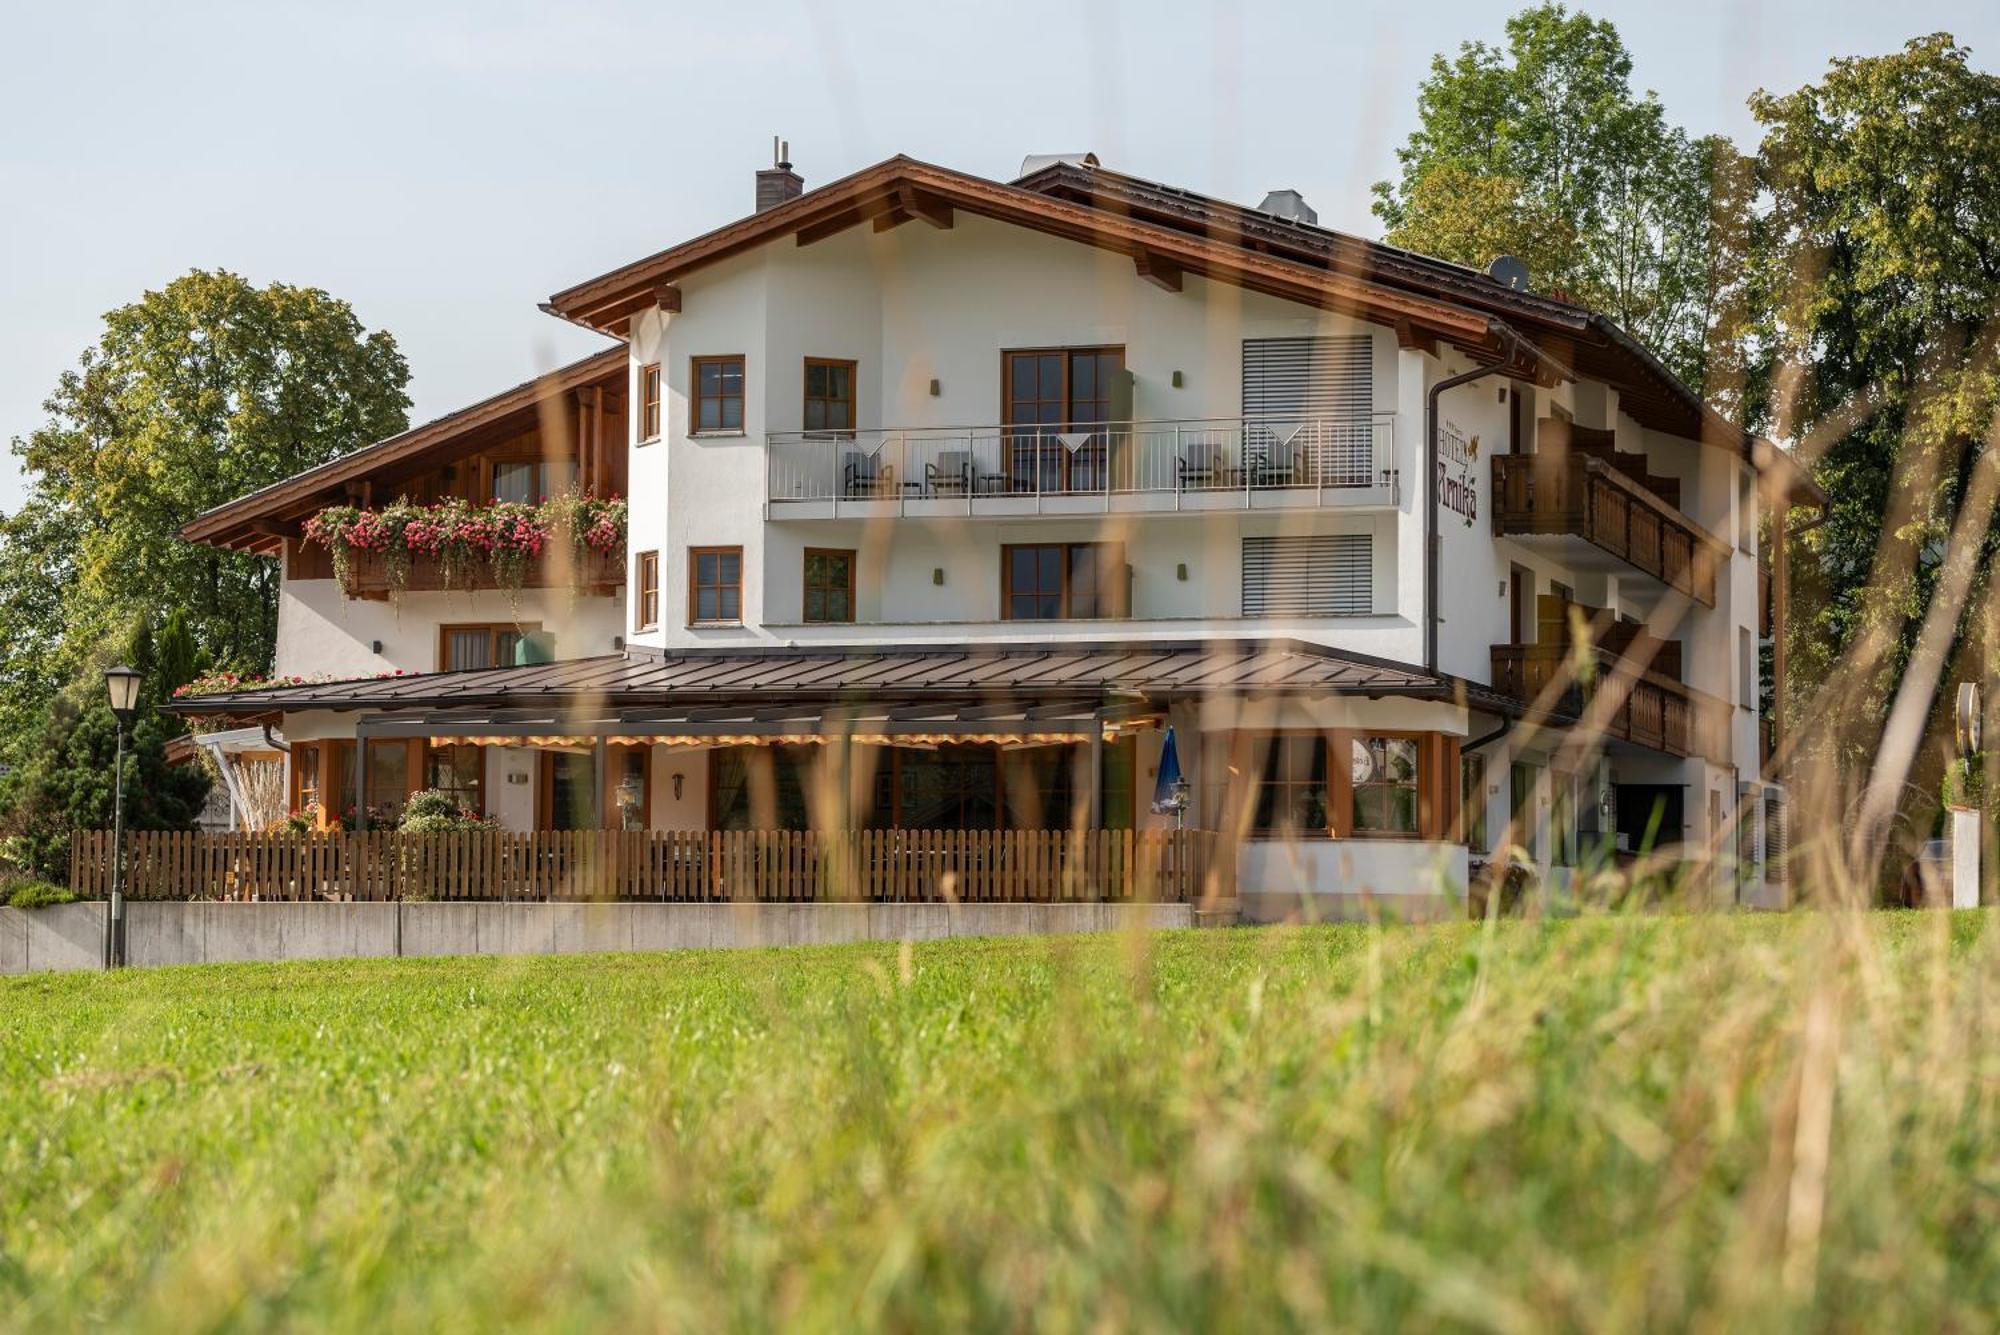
(1055, 404)
(569, 798)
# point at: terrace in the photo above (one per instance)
(1088, 468)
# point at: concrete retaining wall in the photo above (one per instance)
(72, 936)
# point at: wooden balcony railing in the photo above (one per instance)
(595, 572)
(1658, 711)
(691, 866)
(1586, 497)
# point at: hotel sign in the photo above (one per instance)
(1458, 475)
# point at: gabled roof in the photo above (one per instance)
(903, 190)
(252, 522)
(1169, 231)
(1052, 671)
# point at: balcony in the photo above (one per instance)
(1096, 468)
(1658, 711)
(1590, 498)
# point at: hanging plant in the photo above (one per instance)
(504, 538)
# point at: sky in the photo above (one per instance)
(445, 166)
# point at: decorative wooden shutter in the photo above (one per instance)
(1325, 574)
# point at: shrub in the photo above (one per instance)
(434, 812)
(36, 894)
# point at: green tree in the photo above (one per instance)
(64, 783)
(193, 395)
(1881, 254)
(1542, 151)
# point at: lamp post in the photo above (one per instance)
(121, 683)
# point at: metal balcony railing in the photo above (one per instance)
(1193, 463)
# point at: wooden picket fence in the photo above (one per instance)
(670, 866)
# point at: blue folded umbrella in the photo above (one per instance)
(1166, 798)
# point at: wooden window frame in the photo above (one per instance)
(1120, 594)
(494, 630)
(430, 751)
(696, 399)
(649, 403)
(694, 555)
(646, 591)
(806, 587)
(807, 398)
(1068, 356)
(1439, 806)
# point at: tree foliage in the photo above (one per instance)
(1881, 250)
(1542, 151)
(193, 395)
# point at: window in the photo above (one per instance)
(1746, 669)
(532, 481)
(649, 402)
(647, 582)
(1562, 818)
(1472, 801)
(324, 774)
(1384, 776)
(1294, 795)
(829, 394)
(1316, 575)
(1046, 394)
(461, 648)
(305, 775)
(829, 585)
(388, 778)
(458, 768)
(951, 788)
(1061, 581)
(1522, 780)
(718, 393)
(715, 585)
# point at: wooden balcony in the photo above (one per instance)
(1657, 712)
(668, 866)
(1589, 497)
(597, 573)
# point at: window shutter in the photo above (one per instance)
(1774, 835)
(1328, 574)
(1309, 377)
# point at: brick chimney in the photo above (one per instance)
(778, 182)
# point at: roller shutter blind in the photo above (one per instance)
(1309, 377)
(1318, 575)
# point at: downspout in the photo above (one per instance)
(1510, 344)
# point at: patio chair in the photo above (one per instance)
(1204, 465)
(866, 475)
(951, 475)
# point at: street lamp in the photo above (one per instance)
(121, 683)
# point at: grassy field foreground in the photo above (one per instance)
(1599, 1123)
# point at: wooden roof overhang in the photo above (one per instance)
(260, 521)
(902, 190)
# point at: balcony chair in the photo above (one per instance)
(865, 475)
(951, 475)
(1206, 466)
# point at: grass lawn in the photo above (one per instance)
(1756, 1122)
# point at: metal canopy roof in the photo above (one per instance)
(1093, 672)
(924, 723)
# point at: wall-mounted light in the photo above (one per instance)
(1180, 572)
(1177, 380)
(936, 389)
(937, 574)
(374, 646)
(617, 641)
(679, 781)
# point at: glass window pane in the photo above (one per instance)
(1023, 572)
(732, 603)
(707, 604)
(732, 567)
(711, 378)
(732, 414)
(1050, 568)
(711, 415)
